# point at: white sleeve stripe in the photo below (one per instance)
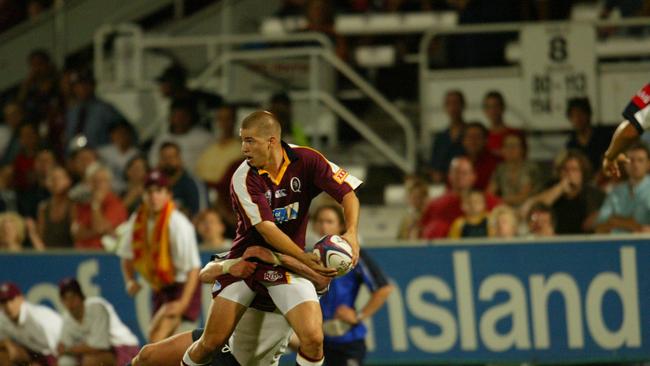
(351, 180)
(245, 199)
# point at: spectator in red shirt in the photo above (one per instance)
(100, 215)
(442, 211)
(494, 105)
(485, 162)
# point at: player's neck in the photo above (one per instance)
(275, 162)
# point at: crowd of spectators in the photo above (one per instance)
(494, 190)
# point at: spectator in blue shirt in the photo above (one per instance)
(447, 143)
(92, 118)
(627, 206)
(189, 193)
(343, 325)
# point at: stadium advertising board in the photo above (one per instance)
(560, 302)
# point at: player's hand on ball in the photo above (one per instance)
(132, 287)
(346, 314)
(312, 261)
(243, 269)
(612, 167)
(352, 239)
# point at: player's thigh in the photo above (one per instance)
(290, 295)
(306, 319)
(17, 353)
(164, 328)
(166, 352)
(106, 358)
(225, 311)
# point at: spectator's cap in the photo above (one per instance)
(156, 178)
(174, 74)
(70, 284)
(84, 76)
(8, 291)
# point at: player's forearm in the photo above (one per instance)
(377, 300)
(351, 211)
(277, 239)
(190, 286)
(210, 272)
(294, 265)
(624, 136)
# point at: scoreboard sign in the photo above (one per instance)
(558, 63)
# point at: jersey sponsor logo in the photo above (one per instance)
(272, 276)
(280, 193)
(295, 184)
(642, 97)
(268, 195)
(340, 176)
(286, 213)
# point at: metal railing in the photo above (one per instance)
(222, 58)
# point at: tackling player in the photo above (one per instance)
(260, 337)
(271, 192)
(637, 119)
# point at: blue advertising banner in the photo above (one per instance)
(556, 302)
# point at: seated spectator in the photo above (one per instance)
(8, 198)
(29, 145)
(280, 106)
(55, 214)
(100, 214)
(36, 192)
(211, 229)
(320, 18)
(446, 143)
(590, 140)
(189, 194)
(627, 206)
(442, 211)
(191, 139)
(574, 201)
(14, 117)
(136, 176)
(91, 119)
(12, 232)
(493, 107)
(474, 141)
(173, 85)
(38, 93)
(116, 154)
(79, 161)
(28, 332)
(541, 221)
(227, 147)
(503, 222)
(92, 332)
(515, 178)
(417, 198)
(474, 222)
(35, 8)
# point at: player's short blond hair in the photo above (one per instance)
(265, 122)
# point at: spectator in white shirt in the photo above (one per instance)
(92, 333)
(28, 332)
(183, 132)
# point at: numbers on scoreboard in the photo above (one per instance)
(575, 84)
(541, 101)
(557, 49)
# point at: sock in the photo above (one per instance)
(187, 361)
(302, 360)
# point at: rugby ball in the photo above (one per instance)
(334, 252)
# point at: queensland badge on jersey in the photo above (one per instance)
(340, 175)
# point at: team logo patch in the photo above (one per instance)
(295, 184)
(272, 276)
(340, 176)
(268, 195)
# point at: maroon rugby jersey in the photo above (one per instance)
(256, 197)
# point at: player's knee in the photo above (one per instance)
(311, 338)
